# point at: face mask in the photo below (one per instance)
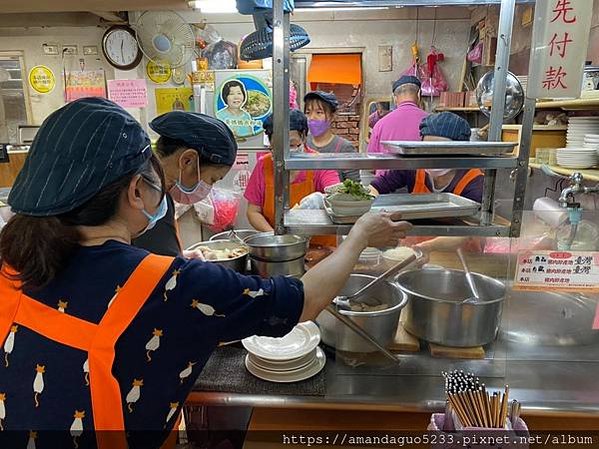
(318, 127)
(300, 149)
(157, 216)
(436, 172)
(183, 195)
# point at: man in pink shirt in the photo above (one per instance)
(403, 124)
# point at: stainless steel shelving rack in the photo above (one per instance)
(317, 222)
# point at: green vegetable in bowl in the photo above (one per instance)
(355, 189)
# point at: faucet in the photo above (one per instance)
(567, 198)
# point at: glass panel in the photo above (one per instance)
(13, 110)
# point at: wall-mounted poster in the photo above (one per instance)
(173, 99)
(243, 102)
(85, 83)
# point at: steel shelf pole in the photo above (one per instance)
(502, 61)
(280, 142)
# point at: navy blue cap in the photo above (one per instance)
(407, 79)
(327, 97)
(445, 124)
(207, 135)
(78, 150)
(297, 122)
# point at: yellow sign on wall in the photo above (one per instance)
(42, 79)
(159, 72)
(173, 99)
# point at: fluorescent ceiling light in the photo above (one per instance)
(214, 6)
(355, 8)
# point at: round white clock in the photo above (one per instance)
(120, 48)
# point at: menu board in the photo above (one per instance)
(574, 271)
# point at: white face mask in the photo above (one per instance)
(300, 149)
(437, 172)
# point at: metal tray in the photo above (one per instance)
(417, 207)
(449, 148)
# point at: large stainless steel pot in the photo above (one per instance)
(276, 248)
(381, 325)
(238, 264)
(435, 313)
(295, 268)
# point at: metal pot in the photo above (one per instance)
(241, 233)
(435, 313)
(294, 268)
(276, 248)
(381, 325)
(238, 264)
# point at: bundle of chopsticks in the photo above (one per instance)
(474, 406)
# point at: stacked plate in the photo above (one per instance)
(524, 82)
(578, 128)
(592, 141)
(577, 157)
(292, 358)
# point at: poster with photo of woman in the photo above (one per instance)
(243, 102)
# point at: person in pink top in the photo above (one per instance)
(260, 189)
(402, 124)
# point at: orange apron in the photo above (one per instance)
(98, 340)
(297, 191)
(420, 184)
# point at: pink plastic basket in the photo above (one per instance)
(477, 438)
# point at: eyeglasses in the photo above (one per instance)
(152, 184)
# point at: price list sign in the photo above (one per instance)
(558, 271)
(560, 42)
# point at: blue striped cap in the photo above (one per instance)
(207, 135)
(445, 124)
(78, 150)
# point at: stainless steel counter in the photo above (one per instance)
(557, 380)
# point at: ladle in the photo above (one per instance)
(469, 279)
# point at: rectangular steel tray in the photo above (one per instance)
(417, 207)
(450, 148)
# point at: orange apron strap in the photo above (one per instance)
(268, 207)
(55, 325)
(10, 295)
(470, 176)
(105, 391)
(420, 183)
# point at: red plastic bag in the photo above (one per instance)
(433, 81)
(226, 206)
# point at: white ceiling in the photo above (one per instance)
(29, 6)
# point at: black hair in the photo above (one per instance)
(327, 107)
(227, 89)
(38, 248)
(297, 122)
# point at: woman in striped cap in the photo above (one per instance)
(112, 338)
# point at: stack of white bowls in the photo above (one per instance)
(292, 358)
(577, 157)
(578, 128)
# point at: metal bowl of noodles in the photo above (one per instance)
(229, 254)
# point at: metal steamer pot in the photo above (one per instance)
(238, 264)
(435, 311)
(381, 325)
(276, 248)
